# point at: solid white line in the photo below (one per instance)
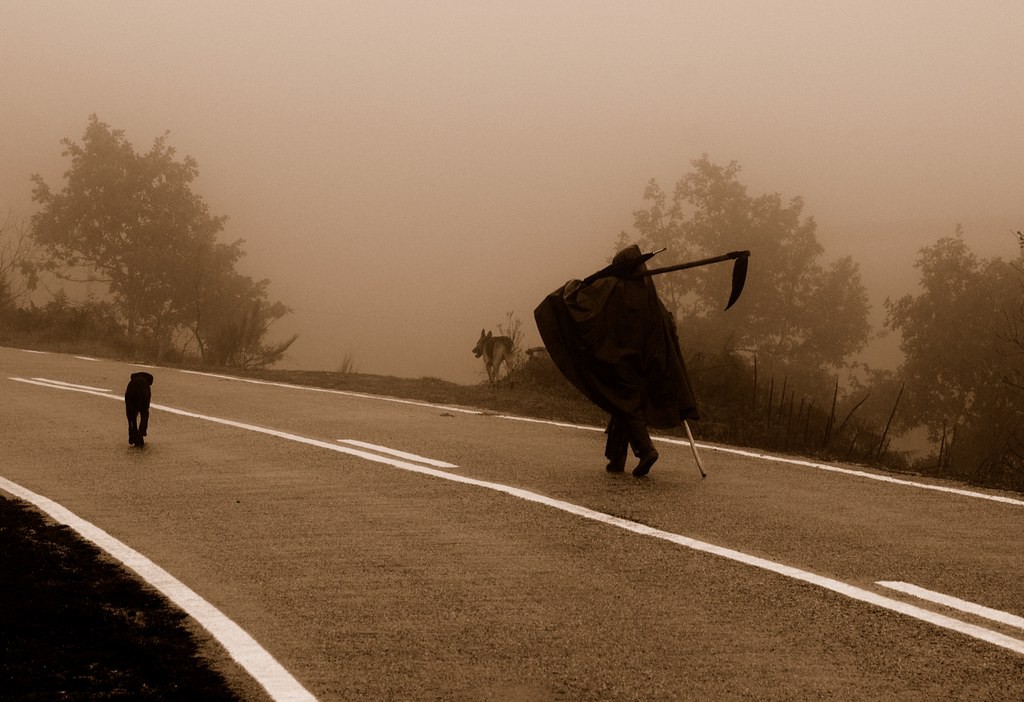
(399, 454)
(796, 462)
(277, 681)
(549, 422)
(664, 439)
(996, 615)
(839, 587)
(348, 393)
(857, 473)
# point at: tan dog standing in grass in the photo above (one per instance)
(495, 350)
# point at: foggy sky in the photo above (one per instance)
(406, 173)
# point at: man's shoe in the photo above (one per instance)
(616, 466)
(646, 461)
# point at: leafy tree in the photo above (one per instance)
(121, 219)
(796, 313)
(132, 222)
(957, 337)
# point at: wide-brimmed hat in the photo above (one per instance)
(623, 265)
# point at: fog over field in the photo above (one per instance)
(409, 172)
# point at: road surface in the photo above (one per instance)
(343, 547)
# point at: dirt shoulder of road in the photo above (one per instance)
(77, 625)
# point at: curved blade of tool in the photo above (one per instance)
(739, 279)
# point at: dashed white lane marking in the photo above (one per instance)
(71, 385)
(851, 591)
(60, 385)
(996, 615)
(399, 454)
(41, 353)
(277, 681)
(86, 358)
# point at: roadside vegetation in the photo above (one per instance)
(778, 371)
(132, 257)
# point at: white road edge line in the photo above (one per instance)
(798, 462)
(996, 615)
(549, 422)
(851, 591)
(851, 471)
(738, 452)
(398, 454)
(263, 667)
(682, 442)
(348, 393)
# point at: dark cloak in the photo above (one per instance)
(614, 340)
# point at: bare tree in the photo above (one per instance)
(15, 262)
(512, 327)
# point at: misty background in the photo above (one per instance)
(407, 173)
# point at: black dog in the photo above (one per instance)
(136, 406)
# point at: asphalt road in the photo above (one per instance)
(514, 567)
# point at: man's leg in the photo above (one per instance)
(616, 446)
(643, 447)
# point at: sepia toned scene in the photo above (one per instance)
(511, 351)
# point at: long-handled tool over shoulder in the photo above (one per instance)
(739, 269)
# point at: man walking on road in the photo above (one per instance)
(612, 338)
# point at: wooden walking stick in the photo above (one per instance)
(693, 447)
